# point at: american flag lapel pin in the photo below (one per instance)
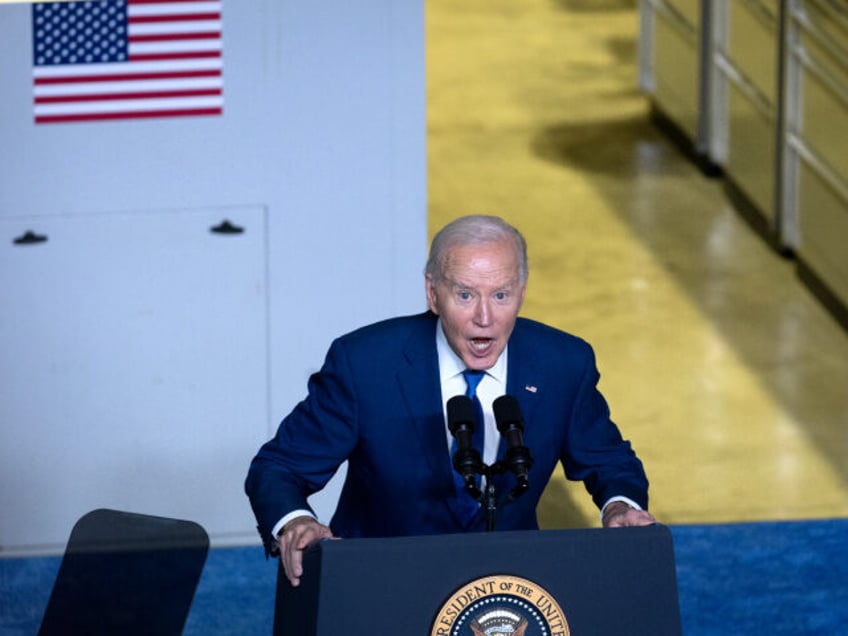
(530, 387)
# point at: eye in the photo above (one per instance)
(500, 296)
(464, 295)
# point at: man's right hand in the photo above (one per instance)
(294, 538)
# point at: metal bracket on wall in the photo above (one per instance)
(30, 238)
(225, 227)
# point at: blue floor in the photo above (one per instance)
(746, 579)
(763, 578)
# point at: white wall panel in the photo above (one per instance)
(134, 373)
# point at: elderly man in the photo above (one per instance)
(379, 402)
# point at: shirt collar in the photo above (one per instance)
(451, 365)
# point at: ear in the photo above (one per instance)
(432, 298)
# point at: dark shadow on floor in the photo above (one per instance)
(595, 6)
(618, 148)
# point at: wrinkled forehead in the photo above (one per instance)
(493, 258)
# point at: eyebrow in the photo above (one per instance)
(454, 284)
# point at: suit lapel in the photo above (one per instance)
(420, 385)
(418, 382)
(525, 374)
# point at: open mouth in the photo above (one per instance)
(481, 345)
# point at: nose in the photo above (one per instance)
(483, 313)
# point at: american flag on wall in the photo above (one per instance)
(126, 59)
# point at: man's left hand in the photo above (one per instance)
(619, 515)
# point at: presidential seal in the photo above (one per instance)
(500, 605)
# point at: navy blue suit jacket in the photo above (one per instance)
(377, 403)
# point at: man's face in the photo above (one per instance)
(478, 300)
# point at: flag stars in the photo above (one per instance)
(64, 32)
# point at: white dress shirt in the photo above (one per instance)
(491, 387)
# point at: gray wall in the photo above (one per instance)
(146, 358)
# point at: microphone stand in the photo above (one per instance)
(488, 497)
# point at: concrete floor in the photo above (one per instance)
(719, 365)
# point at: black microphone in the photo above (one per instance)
(466, 460)
(511, 426)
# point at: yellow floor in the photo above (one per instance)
(719, 365)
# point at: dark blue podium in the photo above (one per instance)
(549, 583)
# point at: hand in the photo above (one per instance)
(619, 515)
(295, 537)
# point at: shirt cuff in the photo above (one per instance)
(278, 527)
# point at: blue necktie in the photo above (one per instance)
(472, 379)
(467, 503)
